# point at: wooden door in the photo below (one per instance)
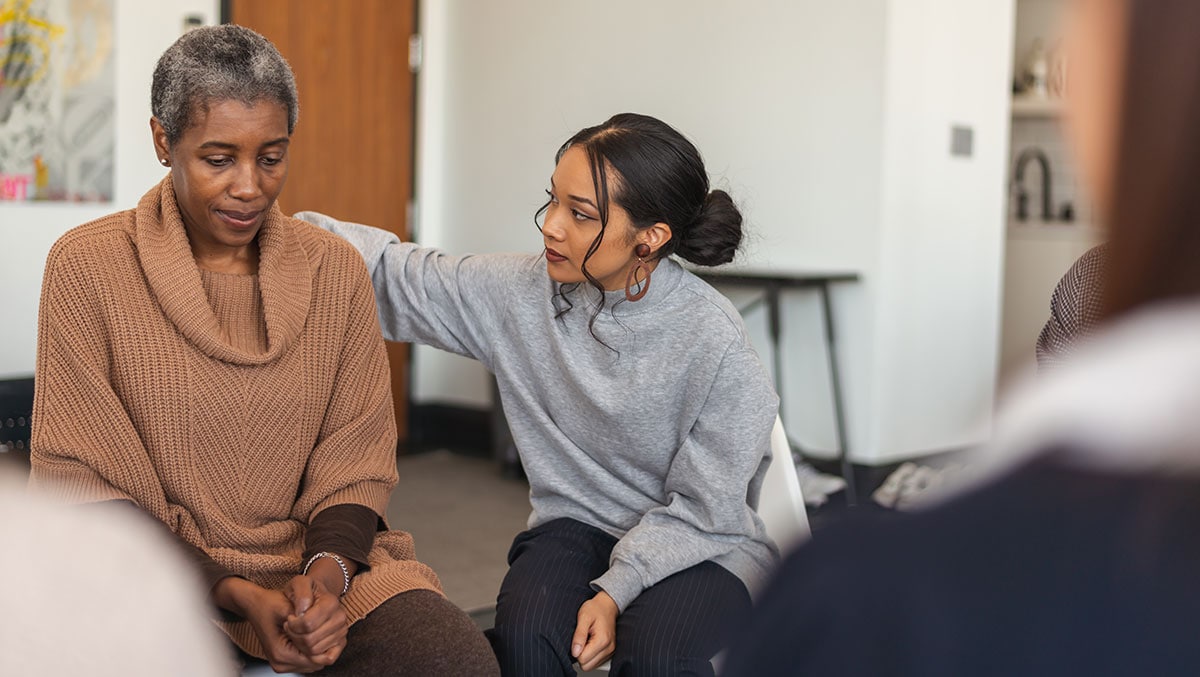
(351, 155)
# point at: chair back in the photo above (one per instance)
(780, 504)
(264, 670)
(16, 415)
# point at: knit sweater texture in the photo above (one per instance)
(232, 408)
(660, 438)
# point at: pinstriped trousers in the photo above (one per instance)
(673, 628)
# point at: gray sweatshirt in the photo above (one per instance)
(660, 439)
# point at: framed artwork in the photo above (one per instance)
(57, 100)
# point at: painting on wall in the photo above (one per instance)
(57, 92)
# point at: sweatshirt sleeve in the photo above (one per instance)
(455, 303)
(712, 485)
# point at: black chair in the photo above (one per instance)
(16, 412)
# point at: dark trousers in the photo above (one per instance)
(673, 628)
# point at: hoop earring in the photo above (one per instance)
(641, 252)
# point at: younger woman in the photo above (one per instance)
(641, 413)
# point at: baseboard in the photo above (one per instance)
(465, 430)
(868, 478)
(16, 409)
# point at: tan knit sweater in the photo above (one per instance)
(232, 408)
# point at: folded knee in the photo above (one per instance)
(660, 660)
(524, 636)
(529, 649)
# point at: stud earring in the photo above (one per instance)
(641, 252)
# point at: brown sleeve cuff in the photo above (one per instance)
(348, 530)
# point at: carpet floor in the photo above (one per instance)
(463, 514)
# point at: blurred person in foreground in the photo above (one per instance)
(129, 606)
(1079, 555)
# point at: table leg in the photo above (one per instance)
(775, 331)
(838, 410)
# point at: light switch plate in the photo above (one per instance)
(962, 141)
(192, 21)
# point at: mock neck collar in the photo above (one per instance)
(284, 276)
(665, 279)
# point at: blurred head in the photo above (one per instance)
(1135, 103)
(632, 180)
(224, 103)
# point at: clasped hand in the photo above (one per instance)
(302, 627)
(595, 635)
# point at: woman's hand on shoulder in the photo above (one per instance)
(266, 611)
(595, 631)
(317, 624)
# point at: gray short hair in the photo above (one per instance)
(218, 63)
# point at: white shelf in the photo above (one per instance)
(1036, 107)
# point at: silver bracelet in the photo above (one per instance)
(341, 564)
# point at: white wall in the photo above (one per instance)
(828, 121)
(941, 252)
(783, 99)
(143, 31)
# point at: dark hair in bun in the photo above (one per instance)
(713, 238)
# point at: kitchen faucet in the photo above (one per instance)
(1019, 179)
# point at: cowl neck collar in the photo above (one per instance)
(284, 278)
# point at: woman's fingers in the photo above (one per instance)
(267, 616)
(333, 641)
(320, 606)
(579, 639)
(330, 657)
(301, 590)
(323, 638)
(285, 656)
(596, 651)
(595, 632)
(322, 627)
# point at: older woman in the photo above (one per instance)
(219, 366)
(640, 410)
